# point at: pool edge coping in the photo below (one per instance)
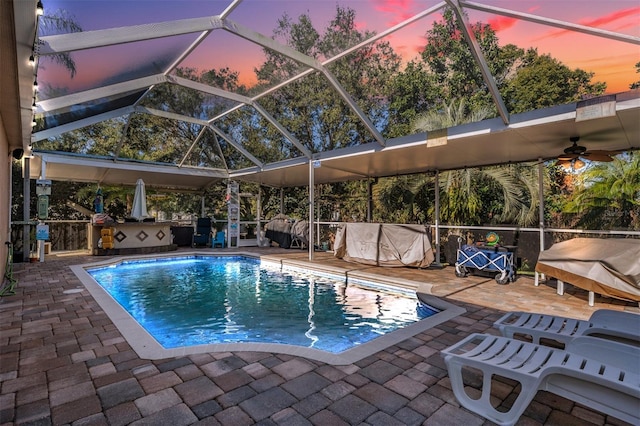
(147, 347)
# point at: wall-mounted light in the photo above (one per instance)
(35, 86)
(39, 8)
(17, 153)
(33, 123)
(32, 60)
(34, 107)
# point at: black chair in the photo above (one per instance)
(202, 236)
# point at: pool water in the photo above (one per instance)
(201, 300)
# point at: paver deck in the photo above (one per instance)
(62, 361)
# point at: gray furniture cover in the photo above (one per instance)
(384, 244)
(607, 266)
(278, 229)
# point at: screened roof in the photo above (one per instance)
(141, 65)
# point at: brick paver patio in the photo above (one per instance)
(62, 361)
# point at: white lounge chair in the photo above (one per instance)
(602, 323)
(600, 374)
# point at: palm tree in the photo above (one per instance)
(470, 196)
(59, 22)
(607, 195)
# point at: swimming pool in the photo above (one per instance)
(195, 303)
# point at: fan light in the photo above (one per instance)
(575, 164)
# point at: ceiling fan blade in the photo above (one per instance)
(594, 156)
(567, 157)
(603, 152)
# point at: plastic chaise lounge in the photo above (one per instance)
(605, 323)
(600, 374)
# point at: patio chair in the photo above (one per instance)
(218, 240)
(202, 235)
(601, 374)
(605, 323)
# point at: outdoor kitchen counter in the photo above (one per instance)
(132, 237)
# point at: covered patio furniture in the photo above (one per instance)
(202, 234)
(300, 234)
(600, 374)
(607, 266)
(384, 244)
(278, 230)
(604, 323)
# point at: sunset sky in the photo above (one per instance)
(612, 61)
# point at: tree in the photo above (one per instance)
(57, 23)
(311, 108)
(636, 84)
(542, 81)
(474, 196)
(607, 195)
(410, 92)
(449, 58)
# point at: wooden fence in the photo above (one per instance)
(64, 235)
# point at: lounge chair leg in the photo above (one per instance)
(536, 281)
(483, 405)
(560, 288)
(592, 298)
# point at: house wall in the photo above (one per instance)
(5, 205)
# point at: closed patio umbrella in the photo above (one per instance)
(139, 209)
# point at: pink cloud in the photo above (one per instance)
(620, 14)
(500, 23)
(398, 10)
(360, 25)
(598, 22)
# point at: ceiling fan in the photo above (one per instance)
(573, 154)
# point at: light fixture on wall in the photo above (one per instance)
(32, 60)
(17, 153)
(39, 8)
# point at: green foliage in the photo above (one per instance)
(411, 92)
(457, 111)
(607, 195)
(542, 81)
(636, 84)
(404, 199)
(449, 58)
(311, 108)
